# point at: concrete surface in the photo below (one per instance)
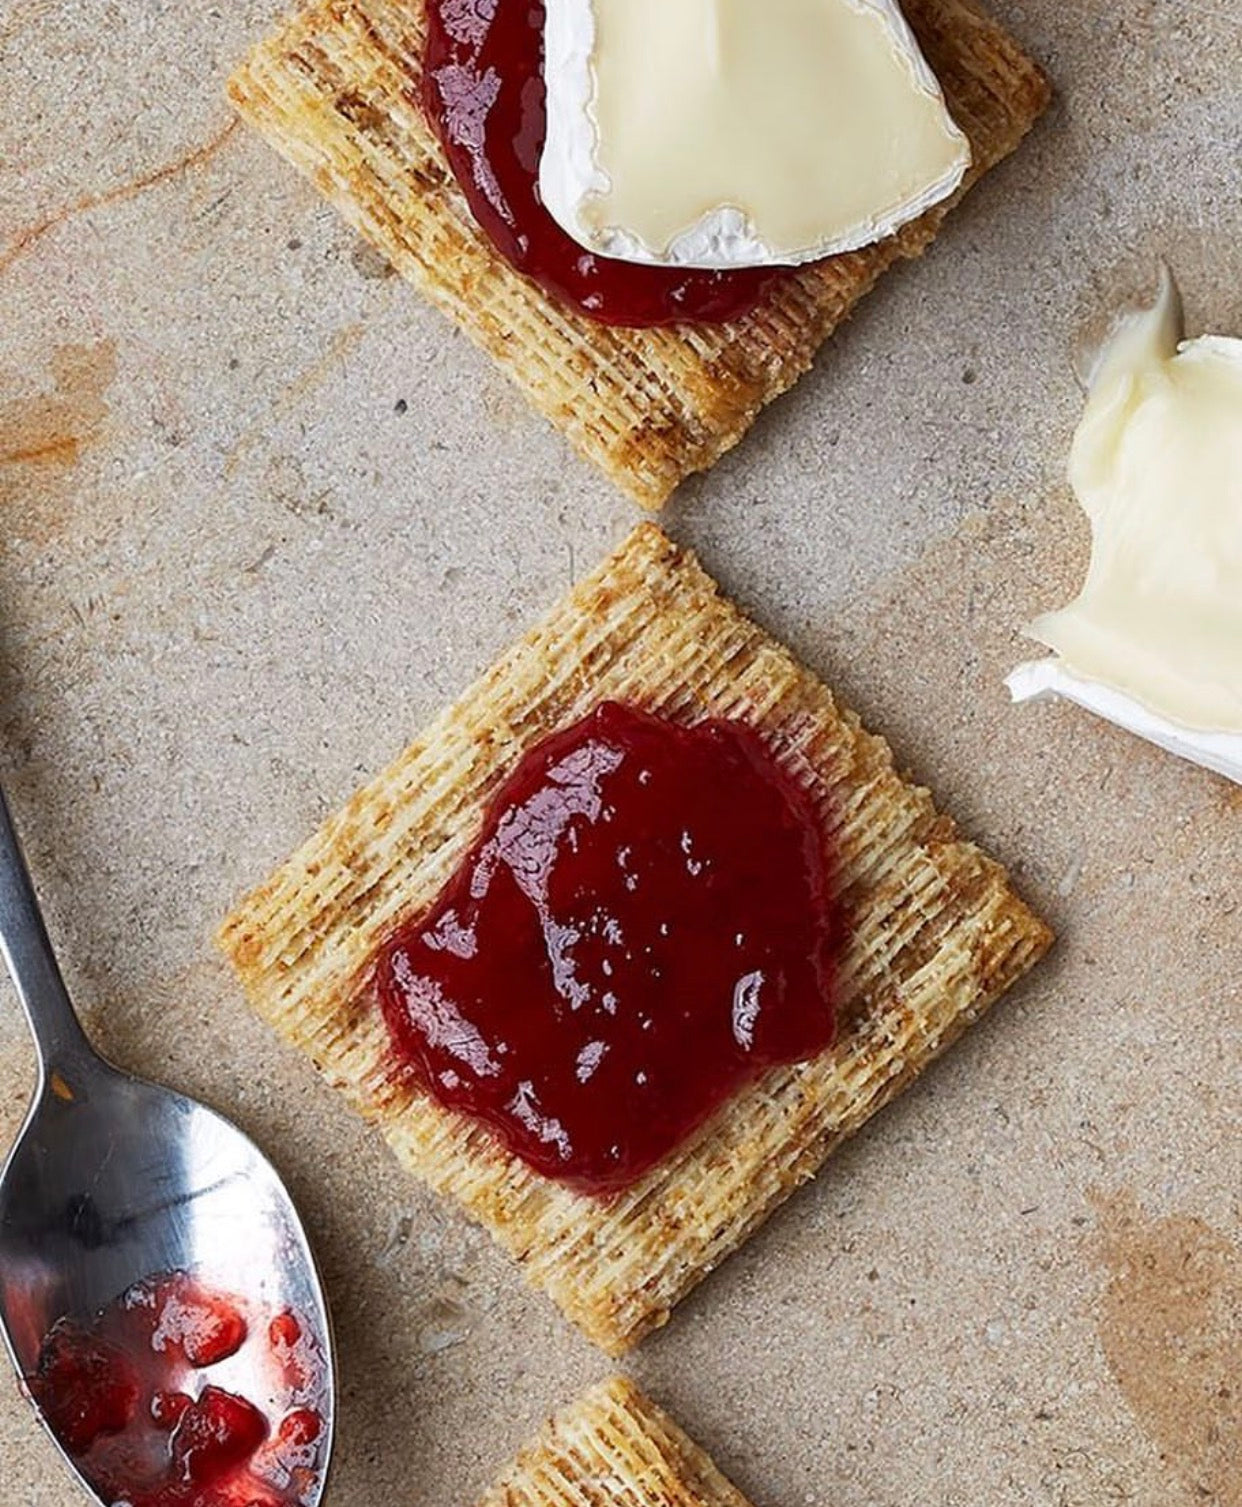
(263, 513)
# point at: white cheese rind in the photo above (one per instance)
(727, 235)
(1042, 679)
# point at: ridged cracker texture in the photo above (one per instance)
(613, 1448)
(935, 934)
(336, 90)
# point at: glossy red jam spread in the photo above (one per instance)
(645, 923)
(484, 95)
(131, 1398)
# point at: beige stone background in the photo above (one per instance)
(262, 512)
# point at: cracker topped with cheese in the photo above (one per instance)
(339, 89)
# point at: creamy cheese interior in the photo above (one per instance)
(1157, 466)
(729, 132)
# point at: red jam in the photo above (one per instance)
(484, 95)
(126, 1397)
(645, 923)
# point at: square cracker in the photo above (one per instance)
(613, 1448)
(336, 90)
(936, 934)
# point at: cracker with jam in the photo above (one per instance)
(926, 933)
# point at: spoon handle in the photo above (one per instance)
(31, 962)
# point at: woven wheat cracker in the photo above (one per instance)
(613, 1448)
(336, 90)
(936, 934)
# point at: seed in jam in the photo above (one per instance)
(484, 95)
(645, 923)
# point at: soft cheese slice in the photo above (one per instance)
(1042, 679)
(728, 133)
(1154, 639)
(1157, 466)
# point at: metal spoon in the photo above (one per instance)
(114, 1179)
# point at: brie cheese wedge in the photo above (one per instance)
(729, 133)
(1153, 641)
(1043, 679)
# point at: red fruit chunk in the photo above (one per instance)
(217, 1435)
(85, 1387)
(284, 1330)
(223, 1335)
(208, 1328)
(302, 1426)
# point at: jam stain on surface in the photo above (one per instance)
(32, 234)
(126, 1397)
(483, 93)
(1170, 1325)
(645, 924)
(52, 428)
(43, 437)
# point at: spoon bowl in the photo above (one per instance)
(114, 1180)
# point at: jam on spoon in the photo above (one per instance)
(126, 1398)
(484, 96)
(645, 923)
